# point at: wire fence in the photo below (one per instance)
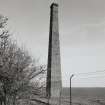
(87, 89)
(89, 79)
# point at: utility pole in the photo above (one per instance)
(70, 89)
(48, 101)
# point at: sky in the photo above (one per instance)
(82, 35)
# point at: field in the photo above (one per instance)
(84, 96)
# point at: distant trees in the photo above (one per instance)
(18, 72)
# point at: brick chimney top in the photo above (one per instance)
(54, 4)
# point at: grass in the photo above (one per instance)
(84, 96)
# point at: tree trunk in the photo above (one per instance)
(14, 99)
(5, 95)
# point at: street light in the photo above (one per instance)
(70, 89)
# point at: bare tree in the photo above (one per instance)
(18, 72)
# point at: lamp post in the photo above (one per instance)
(70, 89)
